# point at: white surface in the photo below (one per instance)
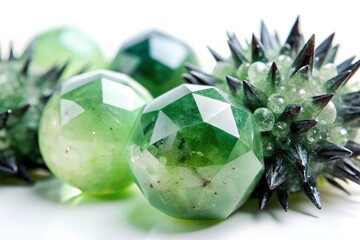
(37, 213)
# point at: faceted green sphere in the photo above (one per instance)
(154, 59)
(195, 155)
(67, 44)
(85, 129)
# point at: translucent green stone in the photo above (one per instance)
(67, 44)
(264, 119)
(155, 60)
(195, 154)
(85, 130)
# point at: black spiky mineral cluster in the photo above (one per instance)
(303, 104)
(23, 94)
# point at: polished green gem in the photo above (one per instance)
(85, 130)
(195, 154)
(67, 44)
(155, 60)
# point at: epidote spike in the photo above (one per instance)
(350, 114)
(4, 118)
(253, 97)
(264, 193)
(334, 83)
(11, 52)
(216, 56)
(235, 54)
(234, 84)
(189, 78)
(351, 99)
(275, 173)
(303, 126)
(282, 196)
(291, 112)
(191, 67)
(295, 38)
(257, 51)
(337, 185)
(352, 165)
(345, 64)
(305, 57)
(322, 50)
(322, 100)
(24, 174)
(203, 78)
(345, 171)
(8, 164)
(332, 54)
(353, 68)
(25, 68)
(273, 78)
(299, 155)
(311, 191)
(16, 114)
(303, 74)
(235, 41)
(330, 151)
(354, 147)
(265, 37)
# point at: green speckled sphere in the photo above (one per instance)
(67, 44)
(85, 129)
(196, 154)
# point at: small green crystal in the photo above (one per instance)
(196, 155)
(155, 60)
(85, 130)
(67, 44)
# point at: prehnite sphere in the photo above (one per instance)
(195, 154)
(67, 44)
(85, 129)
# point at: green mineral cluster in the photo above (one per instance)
(23, 93)
(302, 104)
(196, 154)
(85, 130)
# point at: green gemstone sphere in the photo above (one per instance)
(67, 44)
(85, 129)
(195, 154)
(154, 59)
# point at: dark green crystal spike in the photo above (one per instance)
(257, 51)
(303, 126)
(295, 40)
(336, 82)
(266, 38)
(282, 196)
(276, 172)
(273, 78)
(234, 84)
(322, 100)
(216, 56)
(304, 58)
(345, 64)
(253, 97)
(322, 51)
(311, 191)
(331, 151)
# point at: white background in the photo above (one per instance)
(36, 213)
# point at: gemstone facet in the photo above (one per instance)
(67, 44)
(85, 130)
(155, 60)
(196, 154)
